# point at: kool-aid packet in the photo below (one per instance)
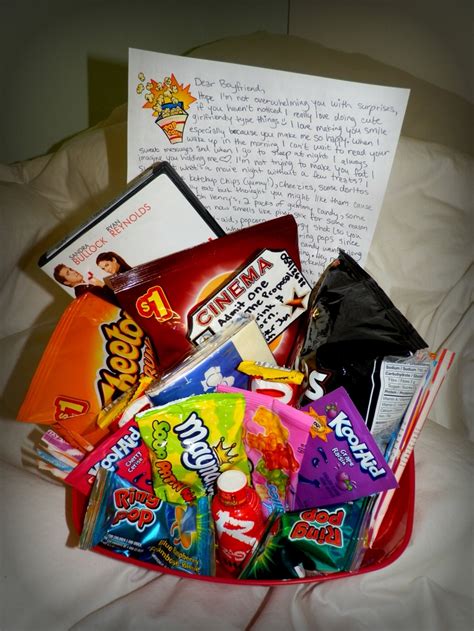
(275, 436)
(342, 461)
(123, 452)
(191, 442)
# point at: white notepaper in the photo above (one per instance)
(254, 143)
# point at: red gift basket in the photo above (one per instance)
(392, 539)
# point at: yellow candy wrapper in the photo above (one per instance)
(191, 442)
(271, 373)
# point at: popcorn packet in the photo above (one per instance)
(352, 325)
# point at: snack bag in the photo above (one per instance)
(135, 523)
(184, 298)
(275, 436)
(215, 362)
(342, 461)
(353, 324)
(123, 452)
(191, 442)
(96, 353)
(308, 543)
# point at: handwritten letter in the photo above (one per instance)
(254, 143)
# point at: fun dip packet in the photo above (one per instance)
(191, 442)
(135, 523)
(342, 461)
(184, 298)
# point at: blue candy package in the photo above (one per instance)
(136, 524)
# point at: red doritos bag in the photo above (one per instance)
(184, 298)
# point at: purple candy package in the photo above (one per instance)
(342, 461)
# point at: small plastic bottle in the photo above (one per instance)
(238, 518)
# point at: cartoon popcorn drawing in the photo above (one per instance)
(168, 101)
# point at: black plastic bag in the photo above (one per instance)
(352, 326)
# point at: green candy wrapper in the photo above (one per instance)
(308, 542)
(191, 442)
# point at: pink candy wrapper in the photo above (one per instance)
(275, 435)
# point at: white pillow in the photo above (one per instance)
(421, 255)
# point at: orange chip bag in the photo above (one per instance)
(95, 353)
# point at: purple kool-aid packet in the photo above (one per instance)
(341, 461)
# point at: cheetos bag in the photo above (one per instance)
(95, 354)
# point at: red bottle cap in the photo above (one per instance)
(232, 487)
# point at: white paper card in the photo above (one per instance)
(255, 143)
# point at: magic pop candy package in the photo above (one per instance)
(191, 442)
(275, 435)
(353, 325)
(184, 298)
(95, 353)
(136, 524)
(342, 461)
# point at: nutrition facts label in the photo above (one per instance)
(399, 380)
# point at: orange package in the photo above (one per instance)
(96, 353)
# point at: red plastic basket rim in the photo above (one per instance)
(408, 478)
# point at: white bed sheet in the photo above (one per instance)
(52, 586)
(421, 255)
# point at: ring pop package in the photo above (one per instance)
(184, 298)
(136, 524)
(353, 324)
(123, 452)
(308, 543)
(96, 353)
(342, 461)
(191, 442)
(275, 436)
(215, 362)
